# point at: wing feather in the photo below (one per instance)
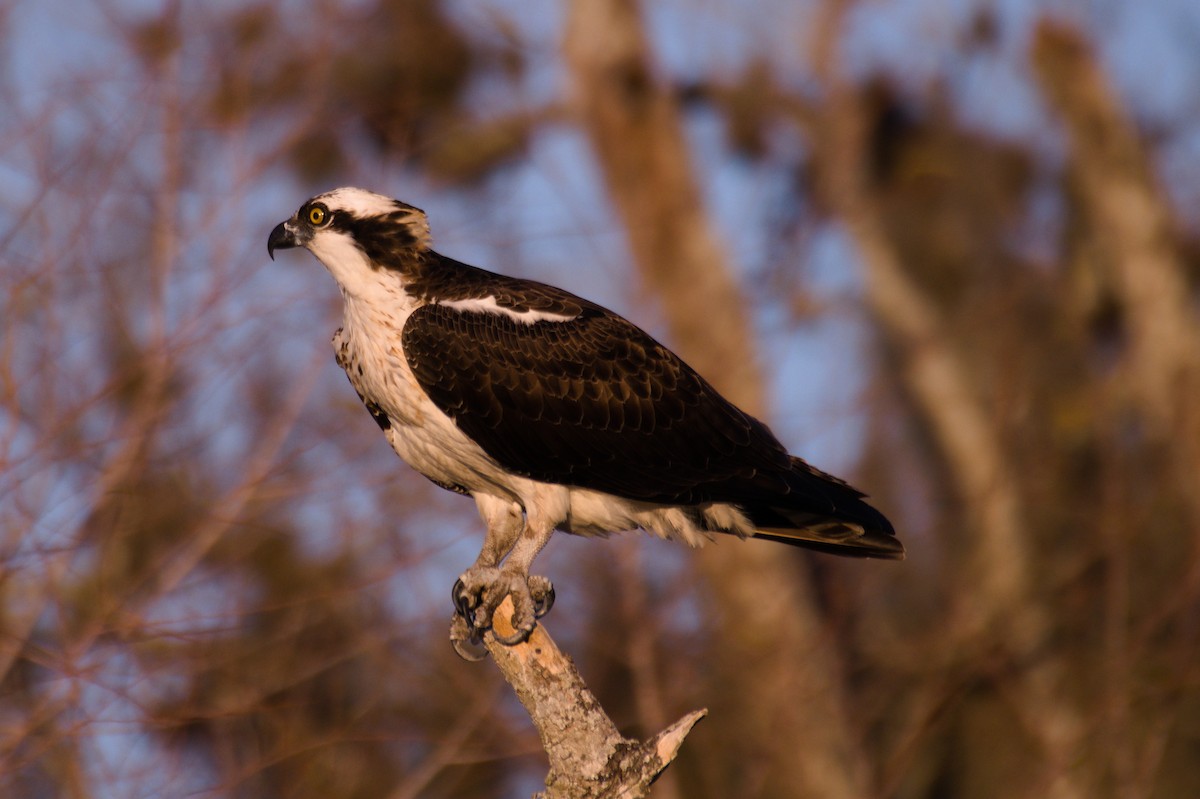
(593, 402)
(596, 402)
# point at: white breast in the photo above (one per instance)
(369, 346)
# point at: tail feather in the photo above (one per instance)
(824, 513)
(837, 538)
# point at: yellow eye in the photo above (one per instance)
(317, 215)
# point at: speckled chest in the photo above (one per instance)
(368, 347)
(381, 377)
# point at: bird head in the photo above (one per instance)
(351, 230)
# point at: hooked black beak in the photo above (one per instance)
(281, 238)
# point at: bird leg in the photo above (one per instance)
(480, 589)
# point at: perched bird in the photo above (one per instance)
(551, 412)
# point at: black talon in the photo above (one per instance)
(533, 597)
(517, 637)
(471, 651)
(467, 643)
(463, 602)
(543, 605)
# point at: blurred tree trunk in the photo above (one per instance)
(996, 607)
(1132, 256)
(1128, 215)
(931, 368)
(792, 720)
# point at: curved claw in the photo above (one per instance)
(519, 636)
(467, 644)
(543, 597)
(463, 601)
(480, 590)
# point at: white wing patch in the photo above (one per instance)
(489, 305)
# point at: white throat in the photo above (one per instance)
(352, 270)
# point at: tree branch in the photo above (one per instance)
(589, 758)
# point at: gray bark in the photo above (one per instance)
(589, 758)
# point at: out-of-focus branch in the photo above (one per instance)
(768, 616)
(999, 606)
(934, 374)
(1000, 609)
(588, 756)
(1129, 216)
(932, 370)
(1130, 228)
(1131, 223)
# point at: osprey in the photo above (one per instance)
(551, 412)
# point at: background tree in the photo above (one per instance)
(951, 255)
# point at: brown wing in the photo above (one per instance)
(596, 402)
